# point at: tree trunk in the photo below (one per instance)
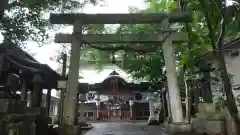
(230, 101)
(218, 51)
(231, 104)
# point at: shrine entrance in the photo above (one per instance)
(116, 99)
(115, 112)
(163, 39)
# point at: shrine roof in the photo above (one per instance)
(114, 73)
(114, 76)
(26, 63)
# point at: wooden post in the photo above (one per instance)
(30, 98)
(63, 91)
(72, 82)
(173, 88)
(1, 61)
(98, 106)
(37, 90)
(131, 102)
(37, 99)
(48, 101)
(24, 88)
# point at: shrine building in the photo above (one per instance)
(115, 99)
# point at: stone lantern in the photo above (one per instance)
(152, 119)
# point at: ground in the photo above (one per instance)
(125, 128)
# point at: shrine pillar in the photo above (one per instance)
(98, 106)
(131, 103)
(30, 98)
(37, 90)
(48, 101)
(109, 107)
(23, 88)
(36, 101)
(173, 88)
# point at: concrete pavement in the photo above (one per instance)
(125, 128)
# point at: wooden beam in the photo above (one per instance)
(123, 38)
(134, 18)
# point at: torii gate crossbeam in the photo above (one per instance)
(122, 38)
(133, 18)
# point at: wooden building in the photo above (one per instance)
(20, 72)
(123, 100)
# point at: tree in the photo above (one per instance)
(212, 21)
(27, 19)
(221, 24)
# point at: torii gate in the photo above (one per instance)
(166, 36)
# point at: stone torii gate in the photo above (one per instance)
(166, 36)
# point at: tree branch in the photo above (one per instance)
(231, 104)
(209, 25)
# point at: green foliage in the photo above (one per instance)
(148, 63)
(27, 19)
(200, 39)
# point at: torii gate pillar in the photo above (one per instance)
(72, 82)
(173, 88)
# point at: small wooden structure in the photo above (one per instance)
(20, 72)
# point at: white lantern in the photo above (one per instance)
(131, 102)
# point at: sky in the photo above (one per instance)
(46, 52)
(43, 54)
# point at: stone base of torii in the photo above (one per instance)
(77, 39)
